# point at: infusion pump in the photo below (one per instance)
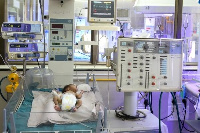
(148, 65)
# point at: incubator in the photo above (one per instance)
(31, 108)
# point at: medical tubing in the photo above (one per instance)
(159, 112)
(0, 88)
(177, 110)
(150, 102)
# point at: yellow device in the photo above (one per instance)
(14, 79)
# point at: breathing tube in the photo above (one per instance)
(0, 88)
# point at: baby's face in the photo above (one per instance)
(73, 88)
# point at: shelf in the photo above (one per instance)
(100, 27)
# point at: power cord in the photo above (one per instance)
(120, 114)
(184, 101)
(0, 89)
(150, 102)
(174, 98)
(168, 115)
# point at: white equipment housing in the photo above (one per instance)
(22, 30)
(61, 39)
(148, 65)
(24, 50)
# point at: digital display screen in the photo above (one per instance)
(12, 25)
(60, 26)
(102, 9)
(18, 45)
(54, 32)
(55, 43)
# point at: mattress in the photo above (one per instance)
(22, 115)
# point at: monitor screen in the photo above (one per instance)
(102, 11)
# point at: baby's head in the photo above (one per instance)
(70, 87)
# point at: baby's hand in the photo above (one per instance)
(82, 92)
(57, 108)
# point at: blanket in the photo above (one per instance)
(43, 111)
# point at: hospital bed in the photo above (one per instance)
(31, 108)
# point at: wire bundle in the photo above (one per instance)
(120, 114)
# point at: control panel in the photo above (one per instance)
(23, 50)
(21, 31)
(148, 65)
(61, 40)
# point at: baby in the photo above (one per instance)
(69, 100)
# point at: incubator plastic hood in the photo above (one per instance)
(166, 6)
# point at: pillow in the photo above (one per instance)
(84, 87)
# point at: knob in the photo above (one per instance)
(165, 77)
(153, 77)
(129, 63)
(129, 77)
(154, 57)
(128, 83)
(141, 77)
(129, 70)
(141, 57)
(129, 50)
(141, 70)
(153, 83)
(146, 47)
(141, 83)
(70, 53)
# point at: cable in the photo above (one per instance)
(5, 62)
(150, 102)
(183, 124)
(159, 112)
(174, 98)
(120, 114)
(168, 115)
(0, 88)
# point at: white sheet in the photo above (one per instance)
(43, 111)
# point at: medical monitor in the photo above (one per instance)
(102, 11)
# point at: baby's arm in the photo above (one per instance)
(78, 96)
(56, 101)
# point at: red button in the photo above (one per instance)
(153, 77)
(129, 64)
(153, 83)
(129, 50)
(129, 70)
(129, 77)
